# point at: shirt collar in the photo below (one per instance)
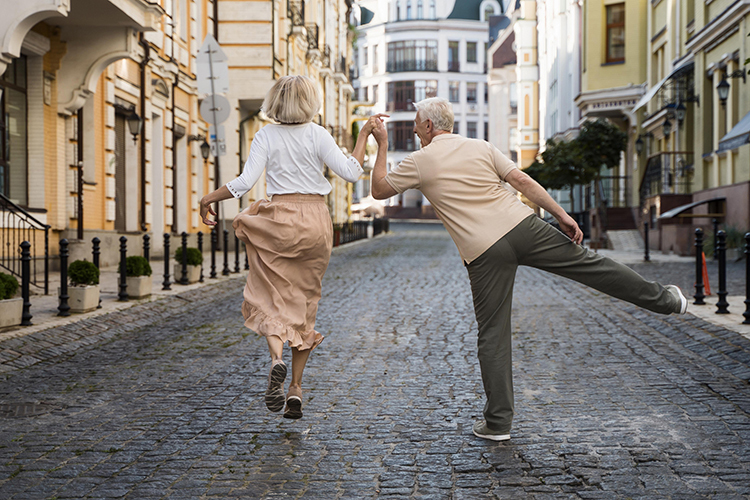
(443, 137)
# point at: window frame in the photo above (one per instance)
(610, 26)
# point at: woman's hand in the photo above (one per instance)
(205, 210)
(372, 123)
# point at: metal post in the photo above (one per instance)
(123, 295)
(166, 284)
(214, 241)
(746, 314)
(63, 307)
(699, 268)
(147, 247)
(247, 264)
(46, 260)
(200, 249)
(646, 257)
(95, 253)
(721, 249)
(225, 271)
(25, 279)
(184, 277)
(715, 222)
(236, 254)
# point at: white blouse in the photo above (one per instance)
(293, 156)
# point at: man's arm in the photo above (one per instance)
(539, 196)
(380, 188)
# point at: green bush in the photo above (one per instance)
(83, 272)
(135, 265)
(8, 286)
(194, 256)
(735, 239)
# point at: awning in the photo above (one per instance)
(738, 136)
(684, 65)
(676, 212)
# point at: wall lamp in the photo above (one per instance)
(134, 125)
(205, 146)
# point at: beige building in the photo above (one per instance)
(102, 133)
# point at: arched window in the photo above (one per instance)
(408, 9)
(489, 8)
(398, 10)
(420, 13)
(432, 14)
(488, 11)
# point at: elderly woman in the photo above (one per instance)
(288, 238)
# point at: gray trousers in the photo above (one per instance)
(535, 243)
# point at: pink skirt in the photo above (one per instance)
(288, 241)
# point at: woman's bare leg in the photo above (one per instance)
(299, 359)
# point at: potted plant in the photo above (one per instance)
(11, 309)
(194, 261)
(83, 291)
(735, 244)
(139, 279)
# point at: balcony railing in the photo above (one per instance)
(17, 226)
(454, 66)
(296, 12)
(667, 172)
(412, 65)
(615, 190)
(312, 36)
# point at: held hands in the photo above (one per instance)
(205, 210)
(569, 226)
(376, 127)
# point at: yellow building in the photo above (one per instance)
(527, 71)
(694, 136)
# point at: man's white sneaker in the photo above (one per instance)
(677, 293)
(481, 430)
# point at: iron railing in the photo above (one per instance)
(312, 36)
(412, 65)
(667, 172)
(614, 190)
(16, 226)
(349, 231)
(379, 225)
(296, 12)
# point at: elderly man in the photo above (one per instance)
(466, 181)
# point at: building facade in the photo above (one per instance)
(409, 50)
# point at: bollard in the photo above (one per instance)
(225, 271)
(200, 249)
(214, 241)
(236, 254)
(147, 247)
(746, 314)
(184, 276)
(247, 264)
(25, 280)
(645, 242)
(63, 307)
(166, 285)
(721, 249)
(96, 251)
(699, 268)
(123, 295)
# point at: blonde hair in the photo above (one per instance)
(437, 109)
(292, 99)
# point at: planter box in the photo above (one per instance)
(11, 311)
(139, 286)
(735, 254)
(82, 299)
(193, 273)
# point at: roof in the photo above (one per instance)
(367, 15)
(505, 55)
(466, 9)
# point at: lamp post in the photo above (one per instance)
(205, 150)
(680, 112)
(639, 145)
(723, 89)
(134, 125)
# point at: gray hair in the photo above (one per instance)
(438, 110)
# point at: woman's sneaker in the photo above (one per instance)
(275, 391)
(677, 293)
(481, 430)
(293, 403)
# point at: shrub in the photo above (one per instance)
(8, 286)
(135, 265)
(194, 256)
(82, 273)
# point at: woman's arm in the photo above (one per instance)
(220, 194)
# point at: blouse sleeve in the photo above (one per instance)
(254, 166)
(347, 168)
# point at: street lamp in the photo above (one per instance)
(667, 127)
(639, 145)
(723, 89)
(205, 150)
(680, 112)
(134, 125)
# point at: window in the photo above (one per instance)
(433, 13)
(183, 20)
(374, 93)
(13, 132)
(408, 9)
(486, 97)
(471, 52)
(513, 98)
(453, 91)
(365, 55)
(401, 136)
(412, 55)
(398, 11)
(456, 127)
(489, 10)
(616, 33)
(420, 9)
(471, 130)
(486, 131)
(375, 59)
(471, 93)
(453, 56)
(402, 95)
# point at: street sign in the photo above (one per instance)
(215, 109)
(218, 140)
(212, 68)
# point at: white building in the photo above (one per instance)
(408, 50)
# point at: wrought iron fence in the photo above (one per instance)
(349, 231)
(379, 225)
(615, 190)
(17, 226)
(667, 172)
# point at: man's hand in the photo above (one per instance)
(569, 226)
(372, 123)
(380, 133)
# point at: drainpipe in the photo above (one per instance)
(79, 117)
(144, 62)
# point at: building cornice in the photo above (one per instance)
(716, 28)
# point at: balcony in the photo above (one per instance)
(412, 65)
(454, 66)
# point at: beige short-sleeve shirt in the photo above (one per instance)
(464, 181)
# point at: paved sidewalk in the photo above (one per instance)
(166, 400)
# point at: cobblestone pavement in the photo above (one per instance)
(164, 400)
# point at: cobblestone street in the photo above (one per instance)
(165, 399)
